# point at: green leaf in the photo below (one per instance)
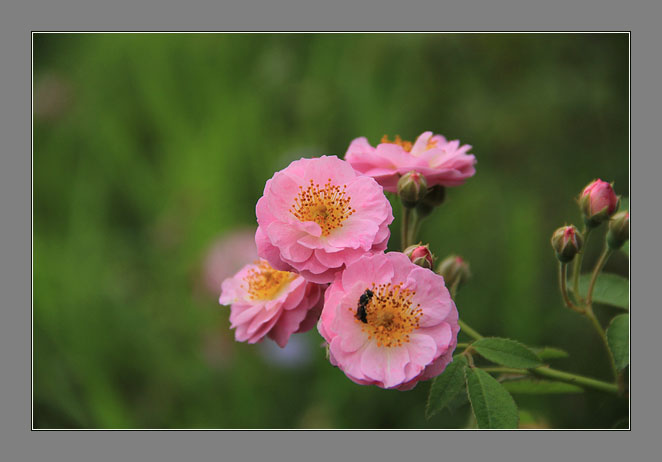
(491, 403)
(446, 386)
(539, 387)
(550, 353)
(609, 289)
(626, 248)
(618, 337)
(506, 352)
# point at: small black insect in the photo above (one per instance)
(365, 298)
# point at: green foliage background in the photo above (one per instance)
(149, 146)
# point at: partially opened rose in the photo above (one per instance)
(441, 162)
(268, 302)
(318, 215)
(389, 322)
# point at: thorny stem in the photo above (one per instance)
(543, 371)
(464, 327)
(561, 376)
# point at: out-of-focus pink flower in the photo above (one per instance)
(318, 215)
(226, 256)
(441, 162)
(268, 302)
(598, 202)
(389, 322)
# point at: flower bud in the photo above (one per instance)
(434, 197)
(598, 202)
(567, 241)
(411, 188)
(619, 230)
(454, 270)
(420, 255)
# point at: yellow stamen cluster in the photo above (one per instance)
(406, 145)
(264, 282)
(390, 315)
(327, 205)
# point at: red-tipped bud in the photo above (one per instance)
(411, 188)
(598, 202)
(420, 255)
(619, 230)
(567, 241)
(455, 270)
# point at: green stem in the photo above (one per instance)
(462, 345)
(560, 376)
(563, 268)
(578, 264)
(406, 217)
(596, 271)
(464, 327)
(415, 227)
(588, 309)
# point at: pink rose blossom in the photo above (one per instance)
(441, 162)
(268, 302)
(318, 215)
(389, 322)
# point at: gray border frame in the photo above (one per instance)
(21, 444)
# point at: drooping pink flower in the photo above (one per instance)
(389, 322)
(441, 162)
(268, 302)
(318, 215)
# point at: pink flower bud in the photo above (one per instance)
(567, 241)
(455, 270)
(420, 255)
(598, 202)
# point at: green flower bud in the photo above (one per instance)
(455, 270)
(411, 188)
(434, 197)
(567, 241)
(619, 230)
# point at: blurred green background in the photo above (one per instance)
(148, 148)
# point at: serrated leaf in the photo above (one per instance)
(609, 289)
(618, 337)
(446, 386)
(506, 352)
(550, 353)
(460, 400)
(539, 387)
(491, 403)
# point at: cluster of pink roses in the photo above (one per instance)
(323, 227)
